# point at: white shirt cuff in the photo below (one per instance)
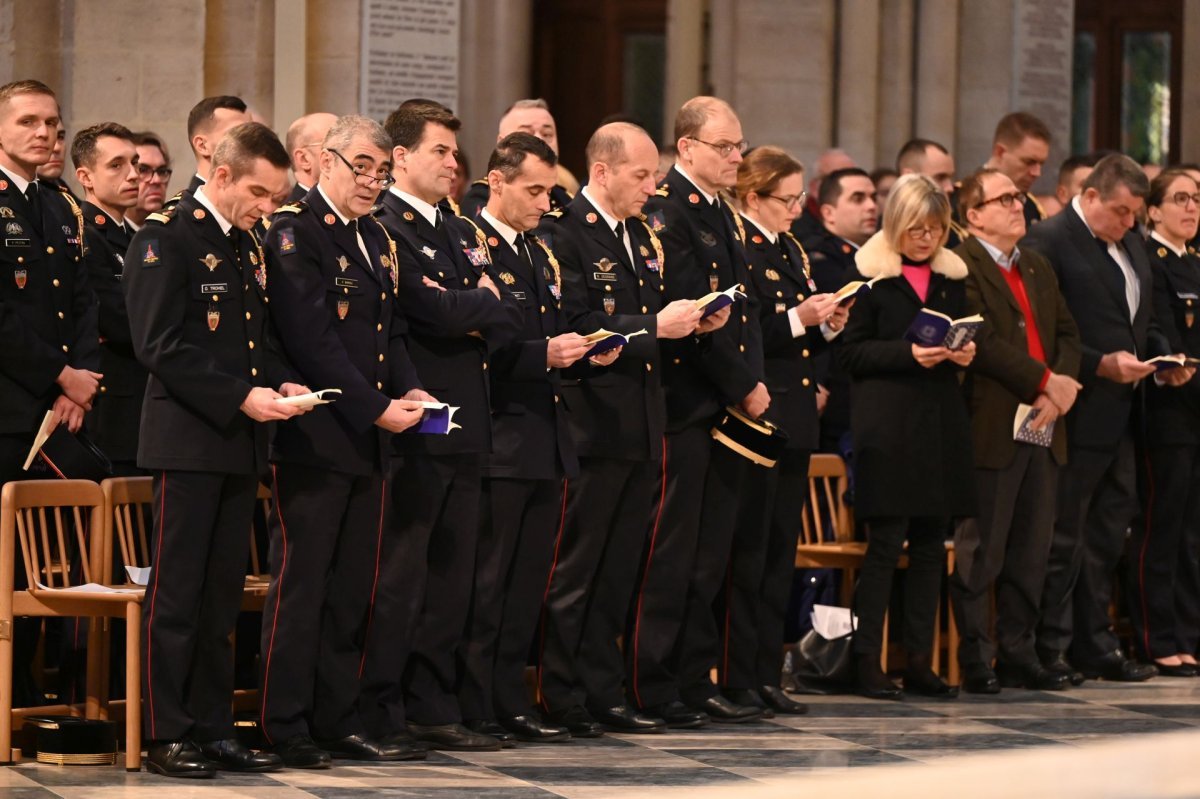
(794, 321)
(829, 333)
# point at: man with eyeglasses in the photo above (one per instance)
(459, 309)
(1105, 277)
(672, 642)
(303, 141)
(331, 270)
(1028, 352)
(154, 175)
(106, 165)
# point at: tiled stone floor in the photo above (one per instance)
(840, 732)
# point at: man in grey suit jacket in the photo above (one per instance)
(1105, 277)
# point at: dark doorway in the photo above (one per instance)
(1128, 63)
(597, 58)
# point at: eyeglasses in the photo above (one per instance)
(794, 201)
(146, 172)
(1182, 198)
(724, 148)
(364, 179)
(930, 231)
(1006, 200)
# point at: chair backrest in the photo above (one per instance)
(827, 518)
(128, 519)
(264, 502)
(56, 528)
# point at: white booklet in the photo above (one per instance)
(312, 399)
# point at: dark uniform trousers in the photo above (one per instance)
(1164, 573)
(198, 314)
(761, 568)
(1007, 545)
(117, 409)
(617, 421)
(522, 492)
(414, 654)
(674, 640)
(332, 501)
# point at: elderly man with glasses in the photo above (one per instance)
(1028, 353)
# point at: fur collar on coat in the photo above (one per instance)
(876, 258)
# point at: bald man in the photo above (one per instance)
(304, 137)
(808, 224)
(523, 116)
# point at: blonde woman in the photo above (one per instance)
(910, 427)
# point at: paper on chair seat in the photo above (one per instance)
(91, 588)
(138, 575)
(832, 622)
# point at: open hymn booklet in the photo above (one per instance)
(711, 303)
(1022, 431)
(604, 340)
(934, 329)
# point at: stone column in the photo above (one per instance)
(937, 53)
(895, 122)
(239, 52)
(857, 100)
(1189, 140)
(685, 58)
(494, 71)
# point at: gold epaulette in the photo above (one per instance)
(162, 217)
(297, 207)
(556, 213)
(663, 191)
(480, 182)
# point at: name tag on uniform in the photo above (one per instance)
(214, 288)
(520, 295)
(345, 282)
(16, 242)
(605, 276)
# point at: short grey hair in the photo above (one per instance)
(536, 102)
(351, 126)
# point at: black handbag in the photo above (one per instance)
(824, 665)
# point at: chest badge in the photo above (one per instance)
(21, 275)
(343, 308)
(714, 282)
(343, 263)
(643, 251)
(212, 262)
(772, 274)
(507, 278)
(6, 212)
(14, 229)
(428, 252)
(708, 238)
(610, 305)
(605, 265)
(214, 318)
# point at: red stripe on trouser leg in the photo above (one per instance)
(562, 518)
(262, 721)
(637, 618)
(375, 583)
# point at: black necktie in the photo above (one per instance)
(236, 243)
(523, 252)
(34, 197)
(437, 218)
(619, 230)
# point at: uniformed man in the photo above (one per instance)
(207, 122)
(1073, 171)
(197, 313)
(849, 215)
(458, 308)
(47, 311)
(154, 174)
(1020, 147)
(333, 276)
(612, 266)
(525, 116)
(532, 452)
(303, 141)
(50, 173)
(672, 642)
(106, 165)
(810, 221)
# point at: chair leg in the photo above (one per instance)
(133, 687)
(883, 650)
(936, 662)
(951, 631)
(93, 675)
(6, 693)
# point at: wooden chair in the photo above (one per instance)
(46, 527)
(127, 516)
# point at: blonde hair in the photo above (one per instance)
(913, 201)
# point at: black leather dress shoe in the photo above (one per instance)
(677, 715)
(623, 718)
(360, 747)
(1034, 676)
(870, 681)
(179, 759)
(1058, 662)
(978, 678)
(403, 740)
(723, 711)
(453, 738)
(749, 698)
(1117, 668)
(300, 751)
(231, 755)
(578, 722)
(489, 727)
(926, 683)
(533, 730)
(1178, 670)
(776, 699)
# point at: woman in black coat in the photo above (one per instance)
(913, 467)
(796, 323)
(1165, 606)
